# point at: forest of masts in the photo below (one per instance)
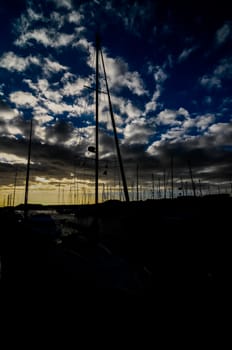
(81, 192)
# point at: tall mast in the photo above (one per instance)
(115, 135)
(137, 182)
(172, 177)
(28, 173)
(96, 112)
(191, 177)
(15, 182)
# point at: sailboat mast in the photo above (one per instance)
(191, 177)
(97, 118)
(28, 173)
(15, 182)
(172, 194)
(115, 134)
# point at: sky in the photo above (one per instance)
(169, 70)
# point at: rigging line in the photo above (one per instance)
(96, 111)
(115, 133)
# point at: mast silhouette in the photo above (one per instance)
(97, 118)
(15, 182)
(28, 174)
(191, 177)
(98, 50)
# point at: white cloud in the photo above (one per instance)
(119, 76)
(8, 114)
(12, 159)
(186, 53)
(40, 130)
(210, 82)
(200, 122)
(126, 106)
(43, 91)
(219, 128)
(152, 105)
(60, 108)
(203, 121)
(74, 88)
(223, 33)
(22, 98)
(138, 131)
(75, 17)
(158, 72)
(170, 117)
(13, 130)
(223, 71)
(63, 3)
(222, 133)
(45, 36)
(174, 134)
(53, 66)
(43, 118)
(159, 75)
(12, 62)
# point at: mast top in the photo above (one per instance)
(97, 40)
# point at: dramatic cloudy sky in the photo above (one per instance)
(169, 68)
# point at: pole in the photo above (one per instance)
(115, 135)
(15, 181)
(97, 118)
(172, 177)
(191, 176)
(28, 174)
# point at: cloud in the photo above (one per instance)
(185, 54)
(36, 26)
(62, 3)
(47, 37)
(75, 17)
(160, 77)
(158, 72)
(152, 105)
(12, 159)
(223, 71)
(207, 152)
(59, 132)
(126, 107)
(210, 82)
(52, 66)
(138, 131)
(119, 76)
(171, 117)
(223, 33)
(23, 99)
(43, 118)
(201, 122)
(7, 113)
(134, 15)
(74, 88)
(222, 133)
(13, 62)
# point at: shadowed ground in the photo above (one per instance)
(175, 251)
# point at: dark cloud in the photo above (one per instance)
(60, 131)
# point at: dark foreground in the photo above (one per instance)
(168, 252)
